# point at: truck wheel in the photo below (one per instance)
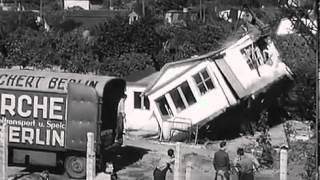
(75, 166)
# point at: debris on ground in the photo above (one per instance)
(297, 130)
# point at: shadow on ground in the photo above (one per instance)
(124, 156)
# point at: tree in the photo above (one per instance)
(165, 5)
(302, 15)
(28, 47)
(117, 37)
(194, 39)
(301, 100)
(125, 64)
(77, 53)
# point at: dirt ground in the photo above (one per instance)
(139, 155)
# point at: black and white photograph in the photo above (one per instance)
(159, 89)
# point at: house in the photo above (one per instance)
(179, 16)
(9, 5)
(84, 4)
(285, 27)
(139, 112)
(196, 90)
(133, 16)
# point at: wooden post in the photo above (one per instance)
(197, 132)
(91, 157)
(188, 170)
(283, 163)
(176, 175)
(3, 151)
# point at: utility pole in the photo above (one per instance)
(143, 9)
(201, 9)
(41, 13)
(110, 5)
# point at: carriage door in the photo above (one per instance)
(82, 115)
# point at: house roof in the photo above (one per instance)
(133, 13)
(193, 60)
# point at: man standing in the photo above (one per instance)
(120, 119)
(246, 165)
(221, 162)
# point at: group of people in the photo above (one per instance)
(244, 165)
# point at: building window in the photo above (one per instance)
(163, 106)
(182, 96)
(137, 100)
(203, 81)
(140, 102)
(253, 56)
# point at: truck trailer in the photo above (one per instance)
(49, 115)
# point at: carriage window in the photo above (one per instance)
(182, 96)
(203, 81)
(163, 106)
(141, 102)
(137, 100)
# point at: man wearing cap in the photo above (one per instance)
(221, 162)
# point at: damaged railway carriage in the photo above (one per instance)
(194, 92)
(49, 115)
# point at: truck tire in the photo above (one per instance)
(75, 166)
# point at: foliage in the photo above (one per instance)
(126, 64)
(76, 53)
(116, 37)
(295, 52)
(28, 47)
(165, 5)
(194, 39)
(299, 13)
(304, 153)
(53, 13)
(10, 21)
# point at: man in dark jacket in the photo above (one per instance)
(221, 162)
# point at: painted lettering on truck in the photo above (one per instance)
(30, 81)
(34, 118)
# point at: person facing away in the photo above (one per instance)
(246, 165)
(221, 162)
(163, 166)
(120, 118)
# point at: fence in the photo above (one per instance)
(3, 151)
(186, 174)
(182, 124)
